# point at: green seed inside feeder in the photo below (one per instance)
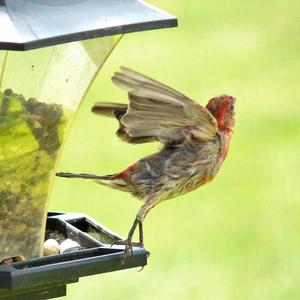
(40, 91)
(31, 135)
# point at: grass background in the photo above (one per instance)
(238, 237)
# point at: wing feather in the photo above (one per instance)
(159, 111)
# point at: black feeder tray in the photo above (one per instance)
(47, 277)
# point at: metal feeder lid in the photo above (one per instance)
(30, 24)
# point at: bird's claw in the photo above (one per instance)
(127, 253)
(125, 243)
(128, 248)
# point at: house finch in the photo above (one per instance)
(195, 142)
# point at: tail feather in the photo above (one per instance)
(112, 182)
(84, 176)
(113, 110)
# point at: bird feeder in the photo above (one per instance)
(66, 43)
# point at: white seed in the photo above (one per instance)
(51, 247)
(6, 261)
(67, 245)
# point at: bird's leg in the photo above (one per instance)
(141, 234)
(128, 242)
(149, 203)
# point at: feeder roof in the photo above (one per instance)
(30, 24)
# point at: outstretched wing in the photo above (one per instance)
(158, 111)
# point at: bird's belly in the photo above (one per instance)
(184, 185)
(182, 172)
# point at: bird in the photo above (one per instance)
(195, 142)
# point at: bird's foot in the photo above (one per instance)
(128, 248)
(125, 243)
(127, 252)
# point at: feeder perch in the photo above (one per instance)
(68, 42)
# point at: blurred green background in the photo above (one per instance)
(239, 236)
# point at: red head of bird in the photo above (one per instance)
(222, 108)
